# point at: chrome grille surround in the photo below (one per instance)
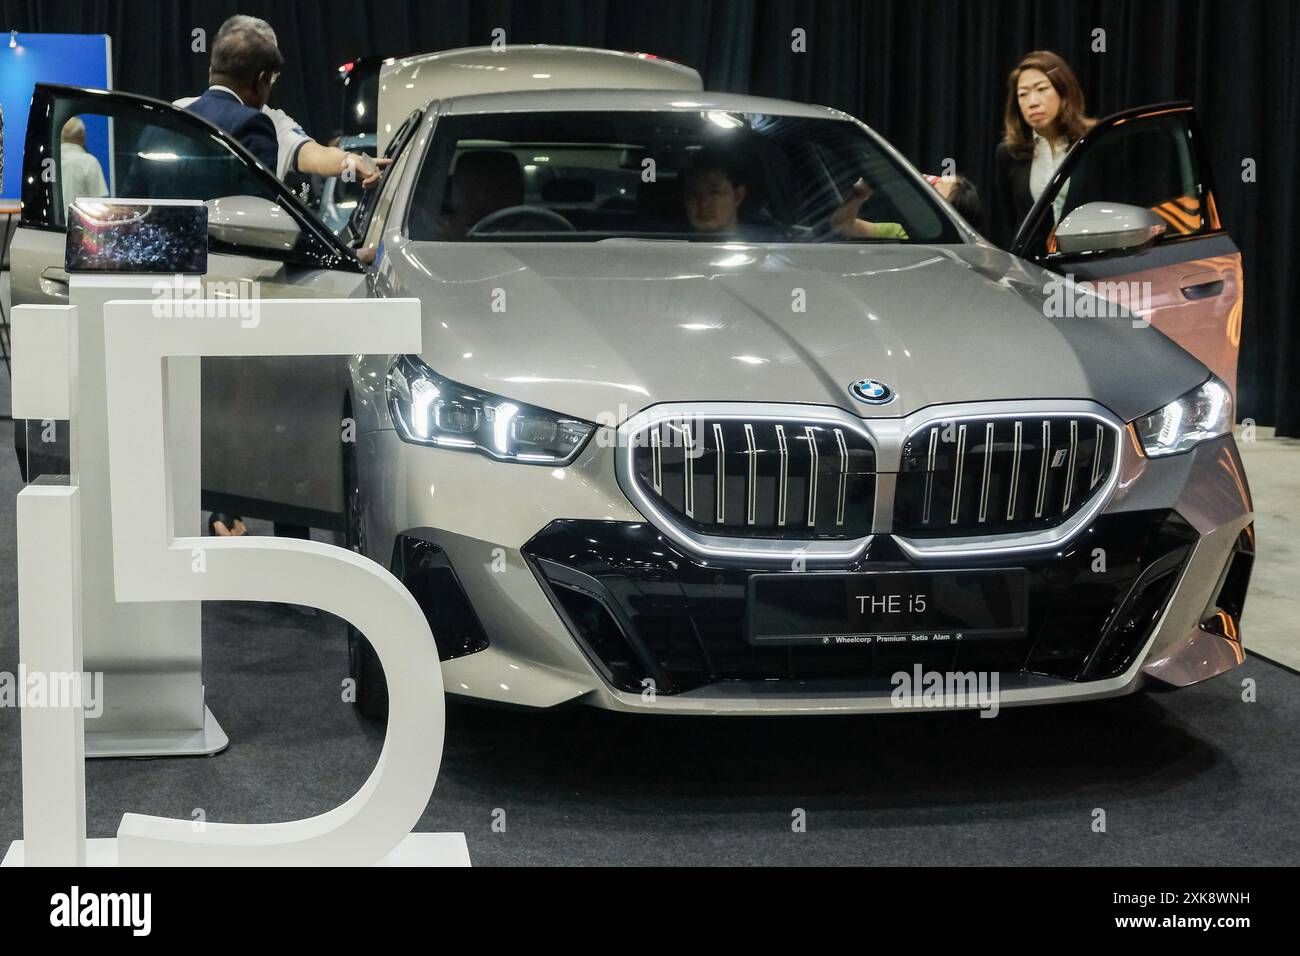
(1071, 417)
(795, 518)
(978, 473)
(887, 436)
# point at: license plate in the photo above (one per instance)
(886, 607)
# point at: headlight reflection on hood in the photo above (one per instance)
(428, 409)
(1199, 415)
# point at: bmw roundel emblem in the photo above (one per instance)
(871, 391)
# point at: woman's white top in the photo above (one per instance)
(1047, 158)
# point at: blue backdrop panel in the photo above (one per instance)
(76, 59)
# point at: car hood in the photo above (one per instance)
(601, 330)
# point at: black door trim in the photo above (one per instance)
(1043, 206)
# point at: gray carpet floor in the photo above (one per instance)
(1196, 777)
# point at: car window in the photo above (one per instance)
(379, 218)
(375, 203)
(116, 146)
(590, 175)
(147, 158)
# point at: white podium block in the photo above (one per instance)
(49, 650)
(42, 384)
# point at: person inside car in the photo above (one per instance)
(713, 192)
(958, 190)
(961, 195)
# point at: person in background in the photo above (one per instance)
(80, 173)
(1044, 117)
(296, 152)
(293, 152)
(243, 68)
(310, 187)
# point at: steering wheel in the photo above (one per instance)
(550, 220)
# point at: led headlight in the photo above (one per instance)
(1201, 414)
(431, 410)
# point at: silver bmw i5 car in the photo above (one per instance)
(721, 408)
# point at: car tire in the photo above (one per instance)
(369, 686)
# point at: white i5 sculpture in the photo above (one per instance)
(151, 563)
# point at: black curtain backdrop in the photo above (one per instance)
(927, 74)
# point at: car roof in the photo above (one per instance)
(620, 100)
(410, 82)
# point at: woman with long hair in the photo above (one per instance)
(1044, 117)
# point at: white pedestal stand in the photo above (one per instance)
(150, 653)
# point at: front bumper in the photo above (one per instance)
(522, 539)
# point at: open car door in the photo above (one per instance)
(1187, 279)
(271, 426)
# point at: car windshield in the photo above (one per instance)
(707, 175)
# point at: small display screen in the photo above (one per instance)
(885, 607)
(109, 235)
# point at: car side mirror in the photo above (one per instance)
(1108, 227)
(253, 222)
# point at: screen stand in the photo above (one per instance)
(149, 653)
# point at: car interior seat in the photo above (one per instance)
(483, 181)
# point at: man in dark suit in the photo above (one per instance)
(243, 69)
